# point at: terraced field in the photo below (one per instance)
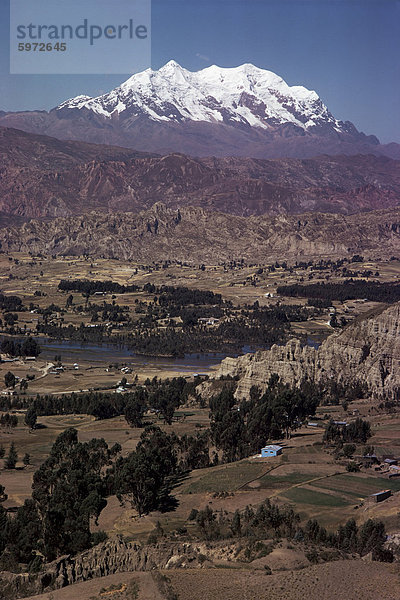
(308, 496)
(358, 486)
(226, 478)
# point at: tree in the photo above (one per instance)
(358, 431)
(23, 386)
(134, 412)
(146, 476)
(69, 301)
(10, 319)
(206, 520)
(26, 460)
(352, 467)
(3, 528)
(30, 347)
(371, 536)
(348, 450)
(68, 490)
(12, 457)
(9, 379)
(9, 421)
(165, 398)
(236, 527)
(31, 418)
(227, 425)
(3, 495)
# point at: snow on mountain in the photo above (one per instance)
(241, 96)
(240, 111)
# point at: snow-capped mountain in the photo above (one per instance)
(240, 111)
(244, 95)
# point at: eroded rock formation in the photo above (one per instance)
(195, 234)
(113, 556)
(368, 351)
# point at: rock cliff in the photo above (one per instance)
(196, 234)
(368, 351)
(113, 556)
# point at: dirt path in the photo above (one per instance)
(303, 483)
(282, 490)
(259, 477)
(45, 370)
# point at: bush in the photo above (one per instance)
(312, 556)
(98, 537)
(352, 467)
(267, 570)
(348, 450)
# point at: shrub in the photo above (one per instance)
(352, 467)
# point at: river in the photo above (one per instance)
(75, 352)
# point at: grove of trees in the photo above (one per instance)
(240, 430)
(348, 290)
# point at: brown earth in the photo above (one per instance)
(88, 590)
(70, 178)
(342, 580)
(196, 235)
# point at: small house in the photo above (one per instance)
(272, 450)
(380, 496)
(369, 459)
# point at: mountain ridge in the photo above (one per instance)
(240, 111)
(193, 234)
(212, 94)
(46, 177)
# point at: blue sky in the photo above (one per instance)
(346, 50)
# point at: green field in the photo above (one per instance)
(359, 487)
(303, 496)
(270, 481)
(226, 478)
(386, 449)
(309, 449)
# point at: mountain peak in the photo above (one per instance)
(245, 95)
(238, 111)
(171, 64)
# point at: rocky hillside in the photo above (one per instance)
(113, 556)
(368, 351)
(44, 177)
(197, 235)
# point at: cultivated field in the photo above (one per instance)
(306, 477)
(36, 279)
